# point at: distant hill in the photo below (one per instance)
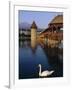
(24, 25)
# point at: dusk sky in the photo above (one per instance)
(41, 18)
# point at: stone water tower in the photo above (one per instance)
(33, 34)
(33, 31)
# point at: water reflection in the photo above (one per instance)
(33, 45)
(33, 53)
(55, 56)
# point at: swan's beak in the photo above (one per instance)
(38, 65)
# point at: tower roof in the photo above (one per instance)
(34, 25)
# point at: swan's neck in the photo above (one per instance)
(40, 69)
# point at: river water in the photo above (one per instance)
(33, 54)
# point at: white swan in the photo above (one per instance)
(44, 73)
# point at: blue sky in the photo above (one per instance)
(41, 18)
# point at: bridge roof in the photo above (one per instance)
(57, 19)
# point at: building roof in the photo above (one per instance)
(34, 25)
(46, 30)
(57, 19)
